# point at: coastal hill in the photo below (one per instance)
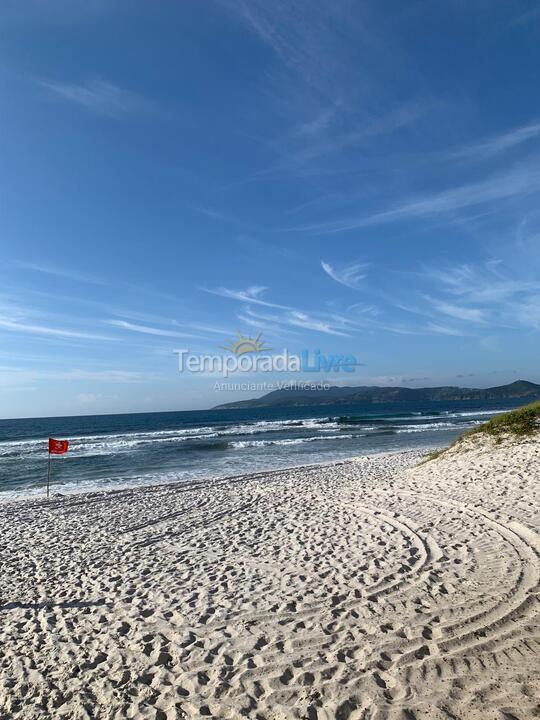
(298, 396)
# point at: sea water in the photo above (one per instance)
(114, 451)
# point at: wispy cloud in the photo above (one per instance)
(249, 295)
(31, 329)
(527, 311)
(468, 314)
(148, 330)
(75, 276)
(445, 330)
(500, 143)
(114, 376)
(519, 182)
(58, 271)
(17, 376)
(202, 327)
(318, 123)
(481, 295)
(457, 301)
(289, 317)
(524, 181)
(319, 113)
(279, 320)
(330, 140)
(262, 322)
(483, 283)
(283, 321)
(349, 275)
(98, 96)
(303, 320)
(299, 35)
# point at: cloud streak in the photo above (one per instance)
(97, 96)
(516, 183)
(500, 143)
(250, 295)
(148, 330)
(282, 322)
(10, 375)
(458, 312)
(481, 296)
(58, 272)
(350, 275)
(30, 329)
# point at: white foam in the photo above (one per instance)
(435, 426)
(286, 441)
(111, 443)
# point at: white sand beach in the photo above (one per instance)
(367, 589)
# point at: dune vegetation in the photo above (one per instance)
(524, 421)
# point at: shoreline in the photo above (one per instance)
(29, 497)
(363, 589)
(105, 455)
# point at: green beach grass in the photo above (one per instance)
(522, 422)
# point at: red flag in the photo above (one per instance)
(58, 447)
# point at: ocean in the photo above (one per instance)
(115, 451)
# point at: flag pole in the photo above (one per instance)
(56, 447)
(48, 474)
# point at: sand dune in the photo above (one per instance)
(368, 589)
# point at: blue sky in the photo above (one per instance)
(354, 177)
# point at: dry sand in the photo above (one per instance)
(367, 589)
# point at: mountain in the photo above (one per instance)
(297, 396)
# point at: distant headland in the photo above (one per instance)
(299, 395)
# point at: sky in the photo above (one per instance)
(356, 178)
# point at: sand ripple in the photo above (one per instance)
(368, 589)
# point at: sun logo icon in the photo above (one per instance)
(246, 344)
